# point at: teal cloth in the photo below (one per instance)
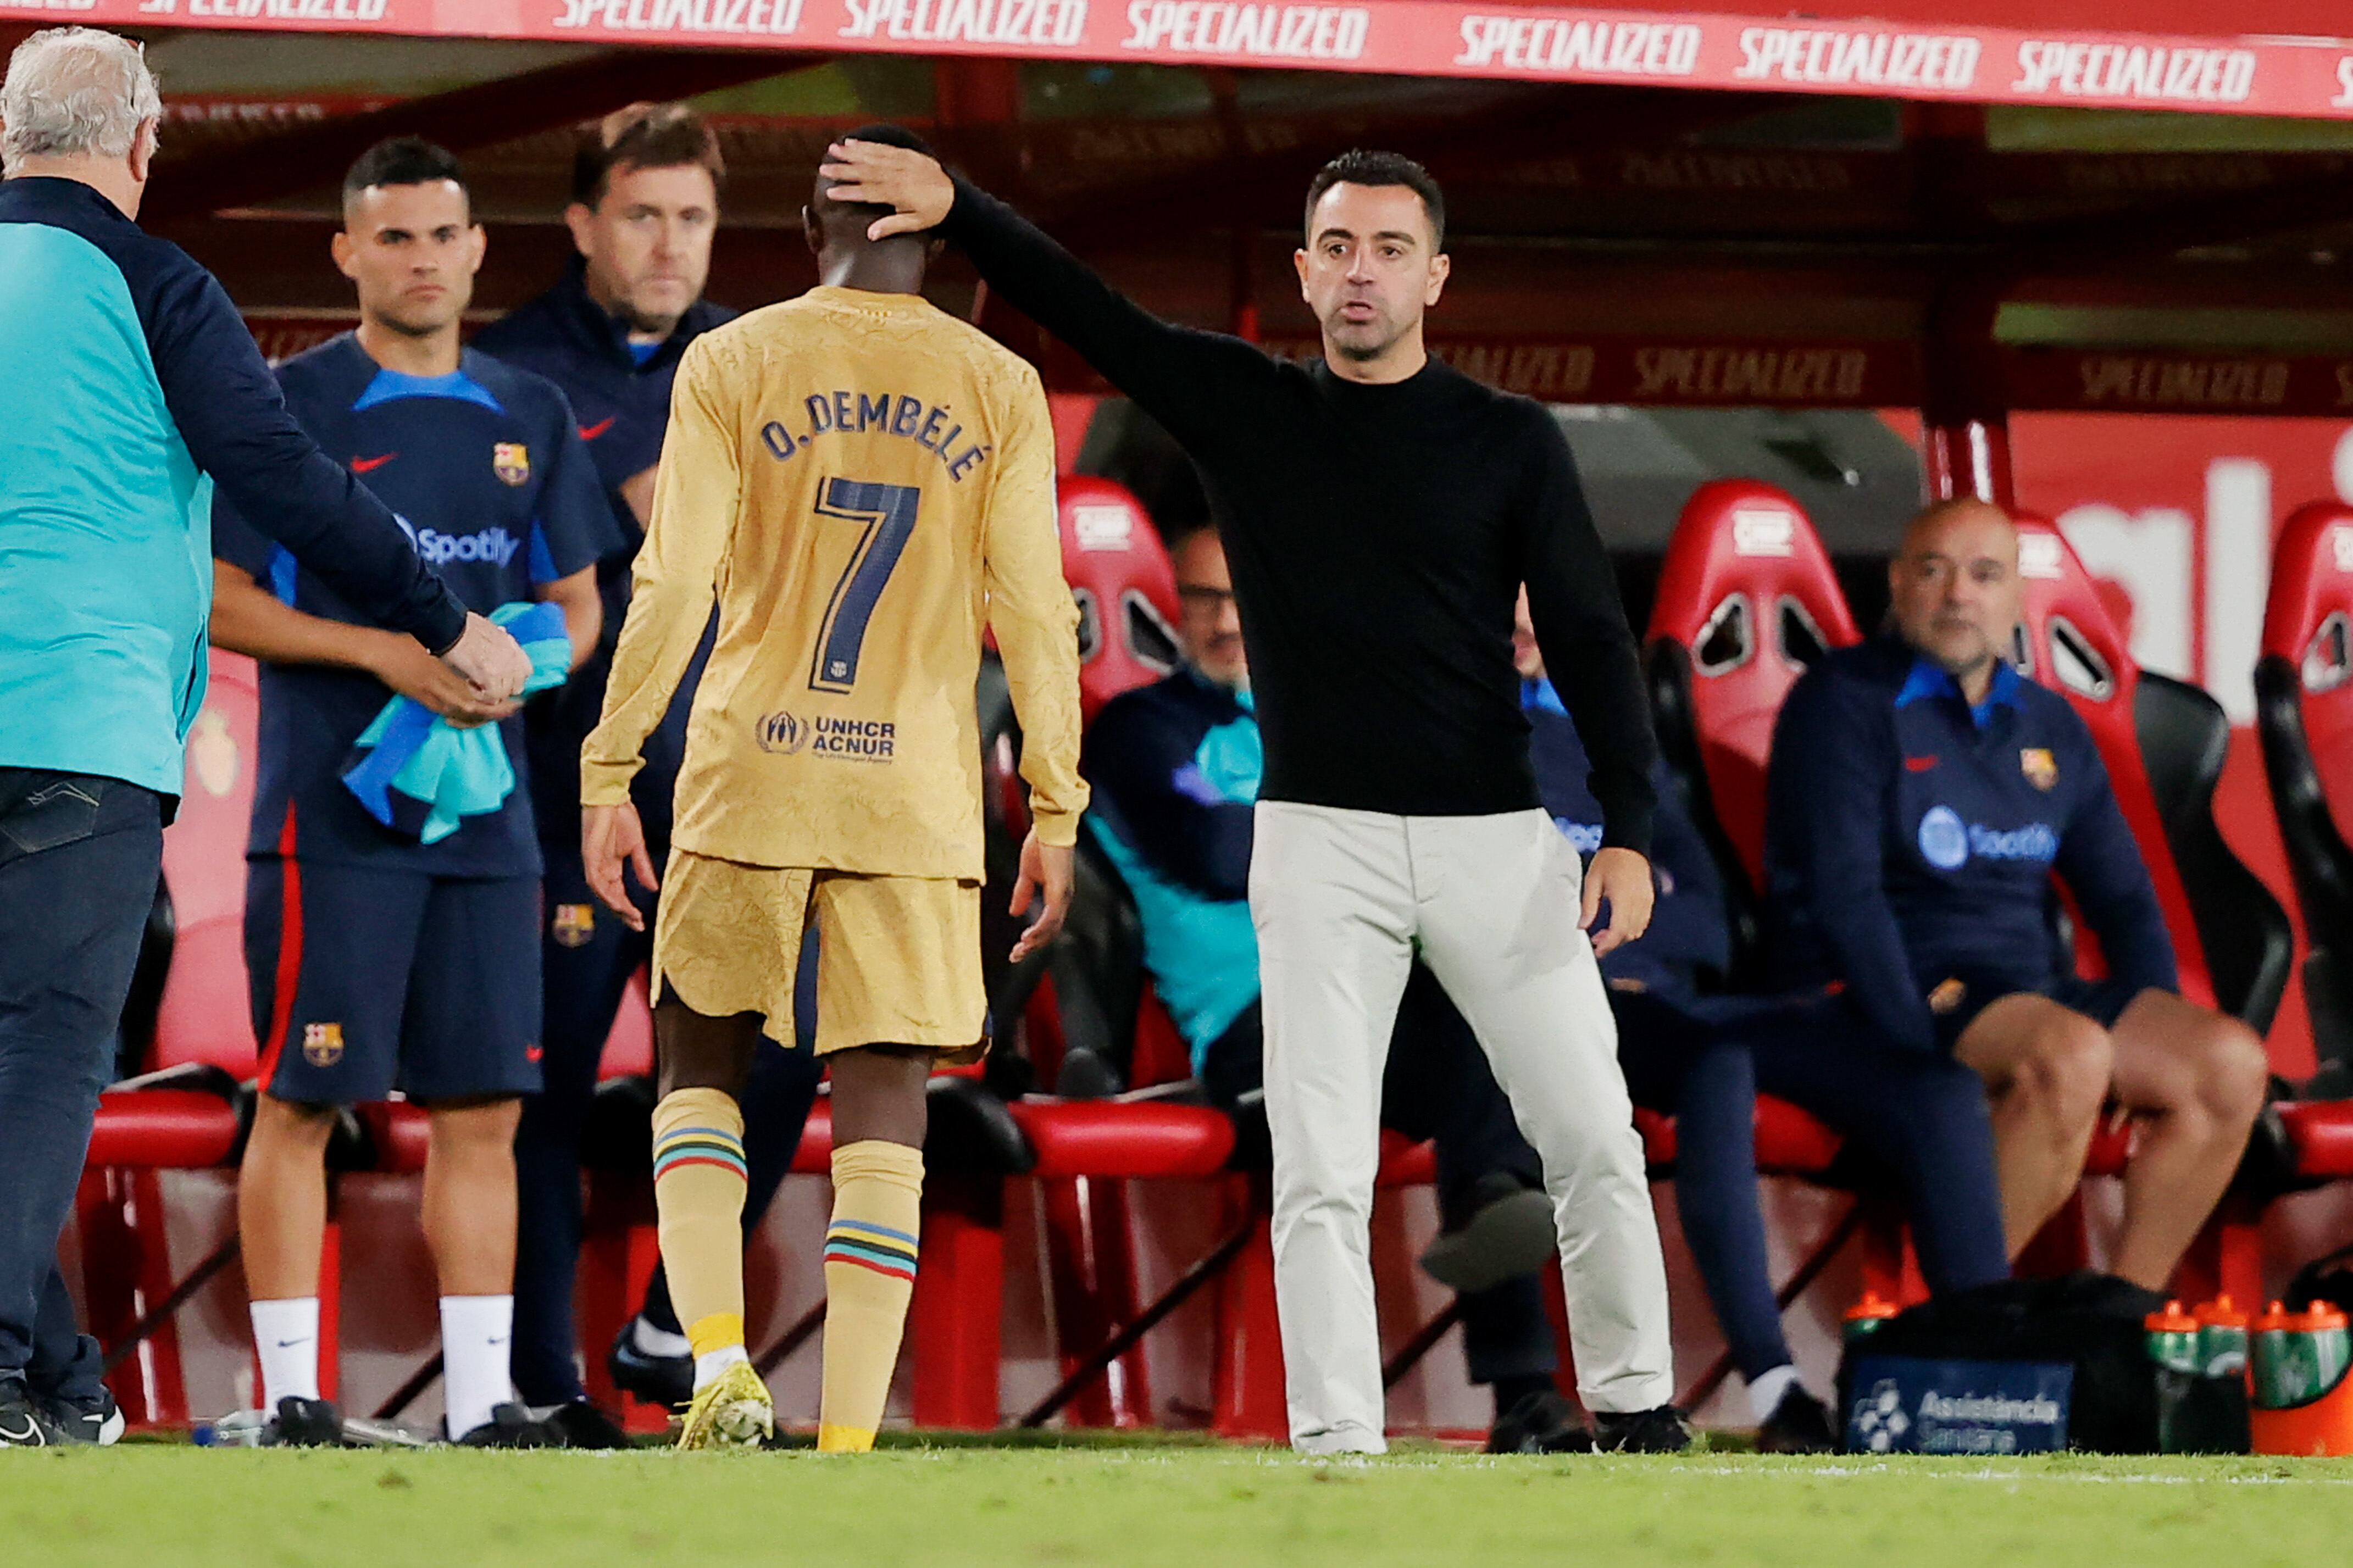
(414, 772)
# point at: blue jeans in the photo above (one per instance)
(79, 858)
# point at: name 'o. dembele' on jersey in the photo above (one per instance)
(860, 482)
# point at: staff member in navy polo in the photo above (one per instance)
(381, 957)
(129, 390)
(645, 208)
(1921, 795)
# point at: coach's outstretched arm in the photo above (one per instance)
(1037, 626)
(674, 583)
(1181, 376)
(1826, 784)
(229, 410)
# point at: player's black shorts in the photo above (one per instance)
(2101, 1001)
(365, 981)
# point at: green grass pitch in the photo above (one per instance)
(1157, 1507)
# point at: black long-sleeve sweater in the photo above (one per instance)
(1378, 536)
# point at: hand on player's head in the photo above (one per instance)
(901, 178)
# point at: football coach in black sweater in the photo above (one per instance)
(1380, 512)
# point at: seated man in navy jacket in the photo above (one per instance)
(1920, 798)
(1175, 767)
(1702, 1057)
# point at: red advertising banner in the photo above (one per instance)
(2307, 77)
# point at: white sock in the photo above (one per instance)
(475, 1335)
(651, 1340)
(286, 1335)
(707, 1367)
(1765, 1389)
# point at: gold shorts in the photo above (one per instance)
(898, 957)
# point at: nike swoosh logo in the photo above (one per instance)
(30, 1435)
(590, 432)
(370, 465)
(289, 1344)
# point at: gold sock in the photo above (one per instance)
(869, 1276)
(699, 1198)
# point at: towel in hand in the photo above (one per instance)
(416, 773)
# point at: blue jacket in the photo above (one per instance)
(1689, 932)
(129, 388)
(622, 403)
(1175, 767)
(1910, 839)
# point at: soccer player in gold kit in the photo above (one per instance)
(860, 482)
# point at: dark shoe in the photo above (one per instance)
(664, 1380)
(1659, 1431)
(24, 1422)
(304, 1424)
(583, 1426)
(1801, 1423)
(1542, 1423)
(510, 1427)
(98, 1422)
(1511, 1233)
(1086, 1076)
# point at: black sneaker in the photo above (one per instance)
(666, 1380)
(1510, 1233)
(510, 1427)
(304, 1424)
(1659, 1431)
(98, 1422)
(581, 1425)
(1540, 1423)
(24, 1423)
(1801, 1423)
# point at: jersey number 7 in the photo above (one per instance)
(888, 514)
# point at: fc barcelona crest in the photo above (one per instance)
(323, 1044)
(2042, 770)
(574, 924)
(511, 461)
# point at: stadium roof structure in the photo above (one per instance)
(1962, 205)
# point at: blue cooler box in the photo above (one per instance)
(1901, 1404)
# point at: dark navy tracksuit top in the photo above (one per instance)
(1910, 840)
(621, 398)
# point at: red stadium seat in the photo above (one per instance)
(1120, 574)
(1747, 598)
(2164, 742)
(2304, 712)
(2304, 709)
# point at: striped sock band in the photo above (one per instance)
(698, 1146)
(869, 1246)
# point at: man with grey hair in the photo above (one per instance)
(129, 388)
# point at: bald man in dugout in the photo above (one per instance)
(1982, 786)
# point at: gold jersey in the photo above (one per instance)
(860, 482)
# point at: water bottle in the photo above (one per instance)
(2173, 1337)
(2221, 1339)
